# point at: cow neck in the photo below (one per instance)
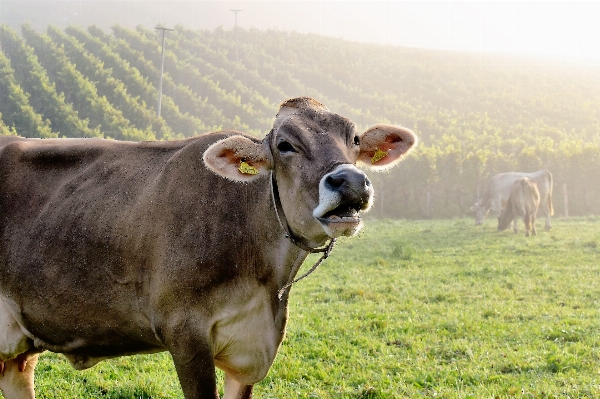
(281, 218)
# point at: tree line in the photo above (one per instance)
(475, 115)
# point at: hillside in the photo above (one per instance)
(476, 115)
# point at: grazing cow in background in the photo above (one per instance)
(114, 248)
(496, 194)
(523, 201)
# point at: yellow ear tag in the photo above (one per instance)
(378, 155)
(247, 169)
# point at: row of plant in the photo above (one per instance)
(81, 91)
(16, 113)
(42, 95)
(203, 87)
(181, 95)
(113, 89)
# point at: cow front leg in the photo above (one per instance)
(196, 374)
(16, 378)
(236, 390)
(516, 225)
(192, 354)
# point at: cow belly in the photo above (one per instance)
(82, 362)
(245, 339)
(84, 342)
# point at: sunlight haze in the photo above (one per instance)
(565, 30)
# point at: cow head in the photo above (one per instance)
(312, 154)
(481, 212)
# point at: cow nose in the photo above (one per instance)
(337, 180)
(352, 184)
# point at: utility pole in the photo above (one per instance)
(162, 65)
(237, 52)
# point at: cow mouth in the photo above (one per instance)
(342, 221)
(342, 214)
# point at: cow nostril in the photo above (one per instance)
(367, 182)
(335, 181)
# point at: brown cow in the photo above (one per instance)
(523, 201)
(116, 248)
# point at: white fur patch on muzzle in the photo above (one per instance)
(343, 193)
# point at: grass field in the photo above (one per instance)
(416, 309)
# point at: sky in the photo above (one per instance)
(564, 28)
(567, 30)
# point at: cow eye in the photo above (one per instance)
(284, 146)
(356, 140)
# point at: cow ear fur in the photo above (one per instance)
(384, 146)
(237, 158)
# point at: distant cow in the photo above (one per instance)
(496, 194)
(523, 202)
(114, 248)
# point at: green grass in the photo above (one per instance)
(416, 309)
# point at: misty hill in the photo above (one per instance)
(475, 115)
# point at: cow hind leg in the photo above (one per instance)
(17, 358)
(236, 390)
(547, 226)
(16, 378)
(526, 222)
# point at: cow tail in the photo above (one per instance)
(549, 198)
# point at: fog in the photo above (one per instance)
(564, 30)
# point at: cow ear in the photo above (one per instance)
(237, 158)
(384, 146)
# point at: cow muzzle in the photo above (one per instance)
(343, 194)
